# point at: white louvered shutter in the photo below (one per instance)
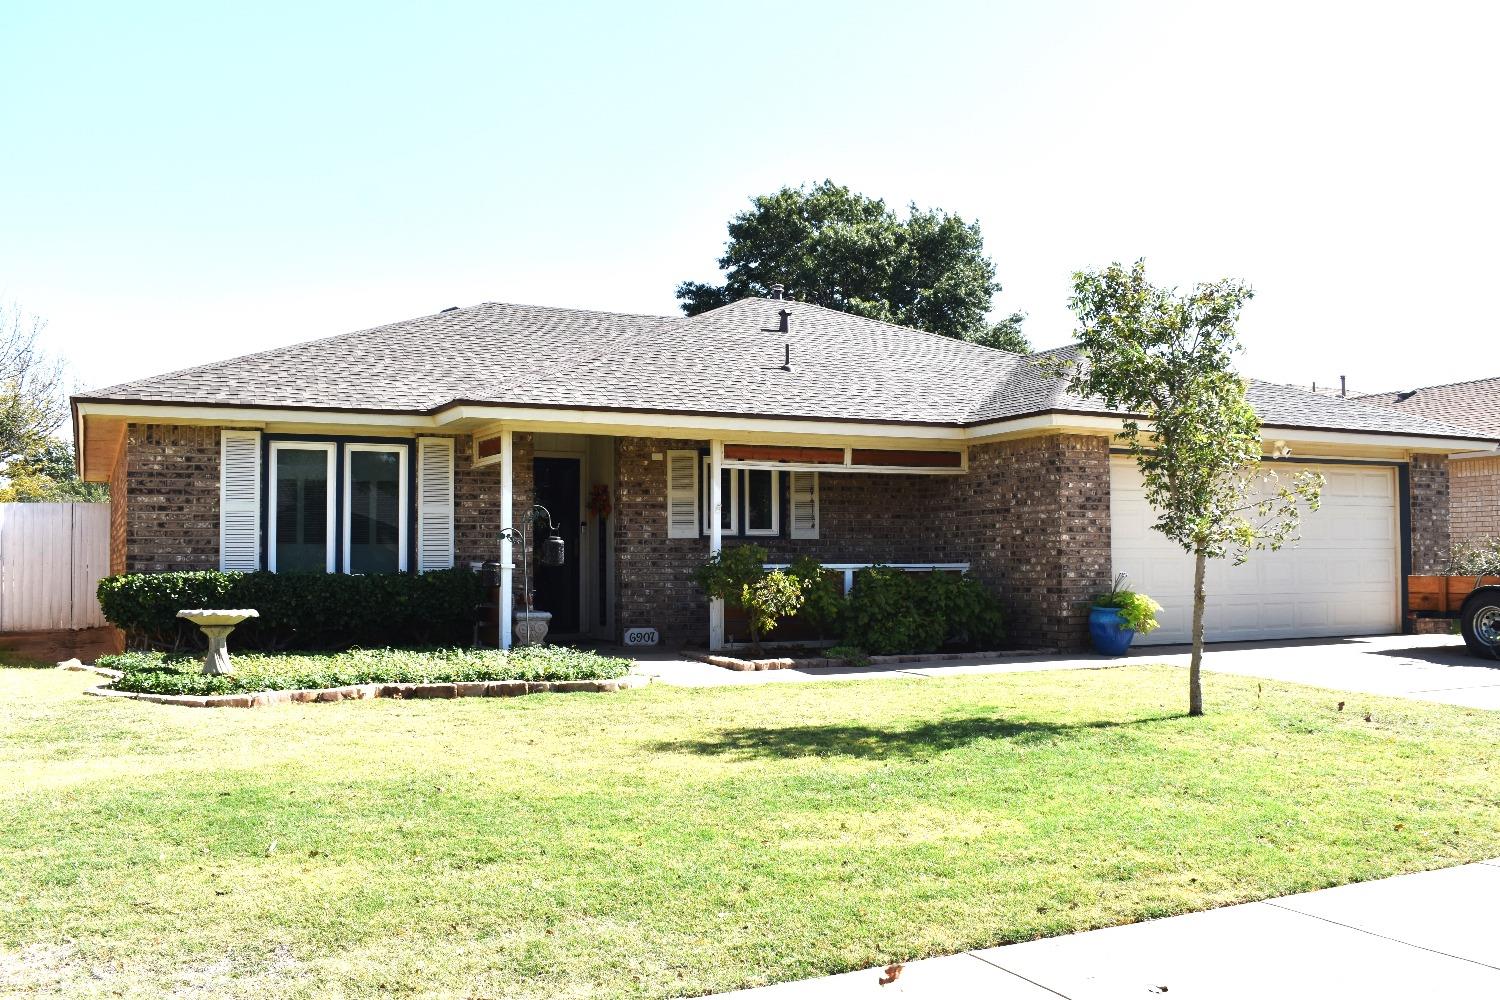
(804, 503)
(434, 504)
(682, 494)
(239, 500)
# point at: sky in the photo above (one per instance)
(181, 183)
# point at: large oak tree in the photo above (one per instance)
(840, 249)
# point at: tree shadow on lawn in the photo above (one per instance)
(880, 742)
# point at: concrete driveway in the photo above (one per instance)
(1426, 667)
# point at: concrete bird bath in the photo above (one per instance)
(217, 625)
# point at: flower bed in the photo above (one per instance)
(155, 673)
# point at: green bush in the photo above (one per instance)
(1480, 557)
(158, 673)
(823, 601)
(1137, 611)
(891, 611)
(738, 576)
(297, 610)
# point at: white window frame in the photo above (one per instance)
(731, 499)
(775, 528)
(331, 450)
(401, 499)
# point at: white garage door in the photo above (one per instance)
(1340, 579)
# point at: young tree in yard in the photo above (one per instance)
(842, 250)
(738, 575)
(33, 400)
(44, 473)
(1167, 359)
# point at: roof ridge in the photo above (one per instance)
(1428, 388)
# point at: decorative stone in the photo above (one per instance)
(531, 627)
(471, 689)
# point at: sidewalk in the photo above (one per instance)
(1427, 935)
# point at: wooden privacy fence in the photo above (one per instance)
(52, 557)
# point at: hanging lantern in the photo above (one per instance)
(552, 551)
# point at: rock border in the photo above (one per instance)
(809, 662)
(360, 692)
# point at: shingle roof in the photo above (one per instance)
(1475, 404)
(727, 361)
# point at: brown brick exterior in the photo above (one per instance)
(1033, 516)
(171, 498)
(1474, 499)
(1429, 513)
(653, 573)
(476, 499)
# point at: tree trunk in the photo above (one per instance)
(1195, 682)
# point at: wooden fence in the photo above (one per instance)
(52, 557)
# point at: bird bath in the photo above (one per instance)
(217, 625)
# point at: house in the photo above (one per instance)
(410, 446)
(1473, 477)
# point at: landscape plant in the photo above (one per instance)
(892, 611)
(1479, 557)
(1165, 360)
(737, 575)
(1137, 611)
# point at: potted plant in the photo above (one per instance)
(1117, 616)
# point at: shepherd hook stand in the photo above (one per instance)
(552, 551)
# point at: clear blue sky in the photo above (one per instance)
(183, 182)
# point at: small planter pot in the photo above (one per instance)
(1108, 631)
(531, 627)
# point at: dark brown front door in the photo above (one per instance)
(557, 587)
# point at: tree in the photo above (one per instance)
(1166, 359)
(738, 575)
(839, 249)
(33, 401)
(45, 474)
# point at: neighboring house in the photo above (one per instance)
(409, 446)
(1474, 478)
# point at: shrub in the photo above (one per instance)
(297, 610)
(851, 655)
(823, 601)
(891, 611)
(158, 673)
(738, 576)
(1477, 558)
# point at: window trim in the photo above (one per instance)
(731, 502)
(402, 500)
(330, 449)
(775, 528)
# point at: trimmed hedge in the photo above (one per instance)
(157, 673)
(297, 610)
(892, 611)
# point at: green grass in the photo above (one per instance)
(668, 842)
(156, 674)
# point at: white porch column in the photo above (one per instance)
(715, 535)
(507, 520)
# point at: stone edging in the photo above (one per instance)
(356, 692)
(788, 663)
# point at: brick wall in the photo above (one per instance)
(171, 494)
(1033, 516)
(1429, 513)
(476, 499)
(653, 573)
(1474, 499)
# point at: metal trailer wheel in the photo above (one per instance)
(1480, 622)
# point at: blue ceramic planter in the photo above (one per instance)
(1110, 635)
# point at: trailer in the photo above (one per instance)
(1473, 600)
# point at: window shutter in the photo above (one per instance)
(434, 504)
(682, 494)
(239, 501)
(804, 502)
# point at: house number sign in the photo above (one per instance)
(641, 637)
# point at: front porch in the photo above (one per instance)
(639, 514)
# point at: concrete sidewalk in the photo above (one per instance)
(1426, 667)
(1426, 935)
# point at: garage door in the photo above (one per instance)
(1340, 579)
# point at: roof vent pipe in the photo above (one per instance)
(786, 320)
(778, 291)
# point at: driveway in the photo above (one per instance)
(1425, 935)
(1426, 667)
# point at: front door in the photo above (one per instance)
(557, 587)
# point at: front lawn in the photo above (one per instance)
(158, 674)
(668, 842)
